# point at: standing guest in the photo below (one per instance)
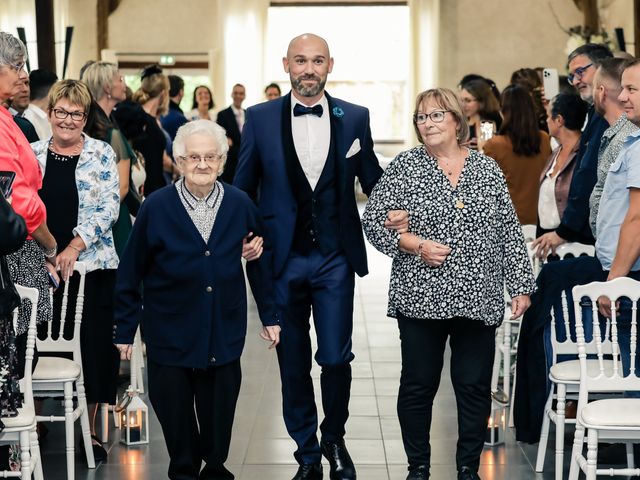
(153, 95)
(80, 190)
(18, 103)
(203, 105)
(272, 91)
(232, 120)
(574, 225)
(40, 82)
(302, 153)
(174, 118)
(194, 340)
(474, 76)
(463, 225)
(14, 233)
(479, 105)
(565, 118)
(108, 88)
(521, 150)
(29, 265)
(531, 81)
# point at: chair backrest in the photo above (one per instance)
(59, 343)
(529, 233)
(623, 332)
(31, 295)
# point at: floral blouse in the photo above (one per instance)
(476, 219)
(98, 200)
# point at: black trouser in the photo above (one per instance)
(173, 391)
(472, 349)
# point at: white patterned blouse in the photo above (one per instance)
(476, 219)
(98, 200)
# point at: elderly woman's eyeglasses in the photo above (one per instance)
(436, 117)
(210, 158)
(16, 66)
(578, 73)
(61, 114)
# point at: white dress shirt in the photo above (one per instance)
(40, 121)
(239, 114)
(311, 138)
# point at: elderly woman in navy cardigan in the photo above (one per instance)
(181, 276)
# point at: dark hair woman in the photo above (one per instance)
(479, 105)
(521, 149)
(203, 105)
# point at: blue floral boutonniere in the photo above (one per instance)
(337, 112)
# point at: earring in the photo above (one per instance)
(109, 96)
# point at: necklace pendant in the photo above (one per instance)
(459, 204)
(449, 172)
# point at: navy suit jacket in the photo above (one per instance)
(190, 295)
(227, 120)
(263, 174)
(574, 226)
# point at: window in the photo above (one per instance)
(370, 46)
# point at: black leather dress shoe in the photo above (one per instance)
(339, 460)
(309, 471)
(419, 473)
(466, 473)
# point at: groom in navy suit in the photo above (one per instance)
(299, 157)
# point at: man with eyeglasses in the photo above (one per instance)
(558, 276)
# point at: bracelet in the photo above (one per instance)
(50, 252)
(419, 249)
(75, 248)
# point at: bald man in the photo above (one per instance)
(299, 157)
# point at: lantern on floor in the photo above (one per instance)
(133, 418)
(496, 425)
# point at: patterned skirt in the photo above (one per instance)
(10, 396)
(27, 268)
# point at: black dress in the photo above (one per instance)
(152, 145)
(100, 360)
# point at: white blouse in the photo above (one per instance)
(548, 214)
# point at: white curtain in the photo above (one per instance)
(241, 30)
(425, 32)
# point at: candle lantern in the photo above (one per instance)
(132, 415)
(496, 425)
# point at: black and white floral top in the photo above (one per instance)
(476, 219)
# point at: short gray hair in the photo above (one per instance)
(12, 50)
(97, 75)
(202, 127)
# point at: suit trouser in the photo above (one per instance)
(324, 284)
(173, 391)
(472, 349)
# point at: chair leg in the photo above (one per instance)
(630, 459)
(560, 418)
(25, 456)
(512, 400)
(578, 439)
(506, 358)
(36, 458)
(68, 427)
(104, 412)
(84, 424)
(544, 432)
(497, 358)
(592, 453)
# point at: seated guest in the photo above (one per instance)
(203, 105)
(479, 105)
(80, 190)
(565, 117)
(521, 150)
(194, 340)
(574, 224)
(40, 82)
(459, 229)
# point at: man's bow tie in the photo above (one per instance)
(300, 109)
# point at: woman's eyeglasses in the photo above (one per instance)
(436, 117)
(61, 114)
(210, 158)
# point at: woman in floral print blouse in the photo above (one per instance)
(448, 275)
